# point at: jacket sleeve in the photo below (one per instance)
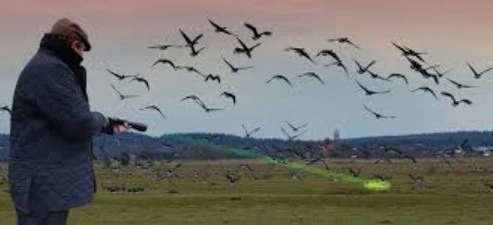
(58, 96)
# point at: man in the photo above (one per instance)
(50, 162)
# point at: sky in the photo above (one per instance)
(451, 32)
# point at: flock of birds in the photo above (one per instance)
(416, 59)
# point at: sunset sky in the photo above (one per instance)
(452, 32)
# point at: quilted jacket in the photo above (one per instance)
(50, 161)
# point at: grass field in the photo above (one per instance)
(453, 195)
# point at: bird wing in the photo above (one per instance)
(448, 95)
(114, 88)
(215, 25)
(471, 68)
(197, 38)
(242, 43)
(252, 28)
(115, 74)
(229, 64)
(187, 39)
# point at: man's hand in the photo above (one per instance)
(120, 128)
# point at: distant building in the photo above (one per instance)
(337, 135)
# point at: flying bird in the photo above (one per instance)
(338, 64)
(296, 128)
(312, 74)
(302, 53)
(459, 85)
(329, 52)
(229, 95)
(363, 69)
(256, 34)
(426, 89)
(220, 29)
(244, 48)
(155, 108)
(120, 76)
(344, 40)
(291, 137)
(200, 103)
(142, 80)
(122, 96)
(164, 47)
(410, 52)
(398, 75)
(454, 101)
(189, 41)
(165, 61)
(280, 77)
(213, 78)
(190, 69)
(235, 69)
(378, 115)
(249, 133)
(478, 75)
(369, 92)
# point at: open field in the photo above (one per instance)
(448, 195)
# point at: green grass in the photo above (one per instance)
(458, 196)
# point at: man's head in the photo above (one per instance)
(76, 36)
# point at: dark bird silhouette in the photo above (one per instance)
(410, 52)
(329, 52)
(354, 172)
(370, 92)
(249, 133)
(296, 128)
(235, 69)
(155, 108)
(165, 61)
(6, 109)
(291, 137)
(244, 48)
(122, 96)
(280, 77)
(312, 74)
(120, 76)
(478, 75)
(256, 34)
(190, 69)
(398, 75)
(213, 78)
(426, 89)
(459, 85)
(302, 53)
(200, 103)
(378, 115)
(363, 69)
(423, 71)
(220, 29)
(339, 64)
(344, 40)
(164, 47)
(189, 41)
(142, 80)
(454, 101)
(229, 95)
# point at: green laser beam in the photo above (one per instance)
(369, 184)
